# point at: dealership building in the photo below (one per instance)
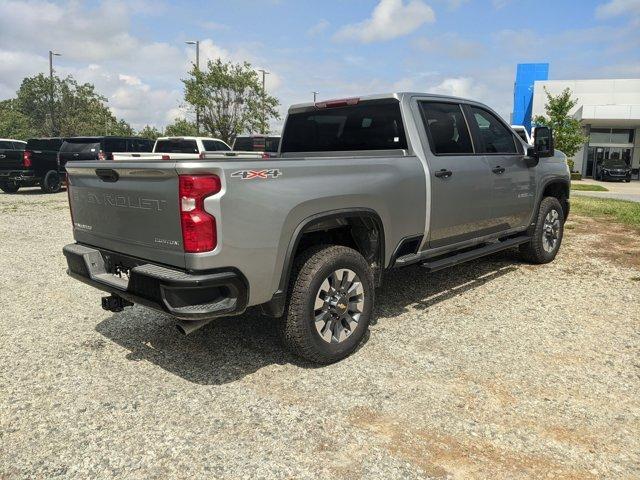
(608, 109)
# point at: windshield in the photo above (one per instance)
(373, 125)
(177, 145)
(81, 145)
(614, 163)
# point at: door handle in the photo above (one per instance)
(498, 170)
(443, 173)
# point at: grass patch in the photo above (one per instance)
(586, 187)
(620, 211)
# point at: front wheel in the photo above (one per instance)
(547, 233)
(330, 304)
(9, 187)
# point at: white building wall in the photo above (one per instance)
(607, 103)
(610, 93)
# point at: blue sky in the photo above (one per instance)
(135, 53)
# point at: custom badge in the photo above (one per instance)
(251, 174)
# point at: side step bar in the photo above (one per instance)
(455, 258)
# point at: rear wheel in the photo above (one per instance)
(547, 234)
(52, 182)
(9, 187)
(330, 303)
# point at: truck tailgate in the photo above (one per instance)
(128, 207)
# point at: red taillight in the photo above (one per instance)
(342, 102)
(198, 227)
(26, 158)
(166, 157)
(265, 156)
(101, 155)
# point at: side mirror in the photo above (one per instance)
(543, 142)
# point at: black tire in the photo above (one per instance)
(52, 182)
(311, 270)
(537, 250)
(9, 187)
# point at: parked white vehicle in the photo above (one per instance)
(175, 148)
(171, 148)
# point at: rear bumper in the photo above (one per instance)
(19, 177)
(184, 295)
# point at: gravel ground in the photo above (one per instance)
(490, 369)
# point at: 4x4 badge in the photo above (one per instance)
(250, 174)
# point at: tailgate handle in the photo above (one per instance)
(107, 174)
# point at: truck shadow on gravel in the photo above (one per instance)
(230, 348)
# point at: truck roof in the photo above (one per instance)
(378, 96)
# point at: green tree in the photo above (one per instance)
(230, 99)
(150, 132)
(78, 109)
(567, 131)
(181, 128)
(13, 123)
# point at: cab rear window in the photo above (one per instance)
(50, 144)
(176, 146)
(373, 125)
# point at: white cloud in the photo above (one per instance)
(451, 45)
(390, 19)
(318, 28)
(498, 4)
(140, 78)
(614, 8)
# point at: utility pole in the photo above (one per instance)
(314, 96)
(264, 96)
(51, 55)
(197, 44)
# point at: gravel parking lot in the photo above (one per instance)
(490, 369)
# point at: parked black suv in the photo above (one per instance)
(101, 148)
(613, 168)
(12, 164)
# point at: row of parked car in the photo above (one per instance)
(41, 161)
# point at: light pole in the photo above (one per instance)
(264, 96)
(51, 55)
(314, 96)
(197, 44)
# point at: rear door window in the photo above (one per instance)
(373, 125)
(446, 128)
(178, 145)
(495, 137)
(214, 146)
(222, 147)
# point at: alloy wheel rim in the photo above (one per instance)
(551, 230)
(338, 306)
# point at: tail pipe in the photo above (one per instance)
(187, 327)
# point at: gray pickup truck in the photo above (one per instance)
(360, 185)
